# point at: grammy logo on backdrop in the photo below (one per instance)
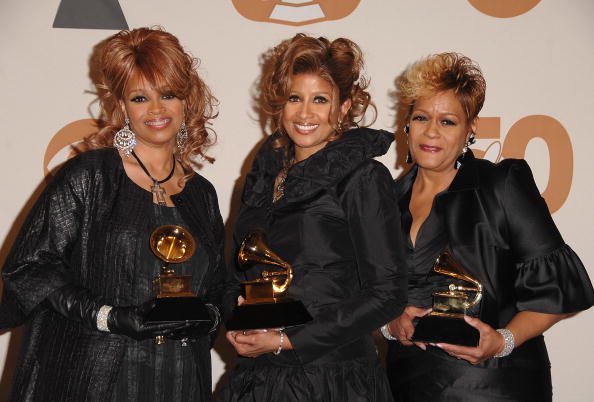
(295, 12)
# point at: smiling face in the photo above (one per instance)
(311, 114)
(155, 114)
(438, 131)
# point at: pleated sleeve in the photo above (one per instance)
(550, 277)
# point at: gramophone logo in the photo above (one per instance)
(504, 8)
(295, 12)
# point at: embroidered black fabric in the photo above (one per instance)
(89, 228)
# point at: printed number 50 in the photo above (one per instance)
(516, 141)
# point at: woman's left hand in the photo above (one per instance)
(256, 342)
(490, 343)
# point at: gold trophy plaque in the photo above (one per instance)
(175, 300)
(267, 304)
(445, 323)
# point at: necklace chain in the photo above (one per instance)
(279, 189)
(156, 189)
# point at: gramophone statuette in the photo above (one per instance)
(445, 322)
(175, 300)
(267, 304)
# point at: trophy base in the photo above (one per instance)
(175, 309)
(439, 329)
(268, 315)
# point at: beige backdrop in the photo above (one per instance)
(537, 57)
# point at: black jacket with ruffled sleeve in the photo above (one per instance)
(86, 230)
(499, 228)
(338, 226)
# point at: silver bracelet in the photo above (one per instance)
(386, 333)
(102, 318)
(509, 342)
(217, 318)
(280, 345)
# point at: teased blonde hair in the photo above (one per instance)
(442, 72)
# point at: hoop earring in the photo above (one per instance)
(125, 139)
(182, 137)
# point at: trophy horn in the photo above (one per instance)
(446, 264)
(253, 249)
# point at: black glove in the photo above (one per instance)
(76, 304)
(129, 321)
(198, 328)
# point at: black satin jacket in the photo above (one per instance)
(499, 228)
(85, 229)
(338, 227)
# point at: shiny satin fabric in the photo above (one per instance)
(87, 229)
(419, 376)
(499, 228)
(338, 228)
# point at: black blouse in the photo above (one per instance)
(430, 242)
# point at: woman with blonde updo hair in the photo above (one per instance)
(494, 223)
(80, 276)
(327, 209)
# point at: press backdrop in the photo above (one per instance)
(537, 57)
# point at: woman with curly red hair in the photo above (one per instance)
(81, 271)
(327, 209)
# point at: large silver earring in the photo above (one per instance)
(125, 140)
(182, 137)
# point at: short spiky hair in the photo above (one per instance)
(442, 72)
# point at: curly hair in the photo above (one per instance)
(158, 57)
(339, 62)
(442, 72)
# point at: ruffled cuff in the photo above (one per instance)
(556, 283)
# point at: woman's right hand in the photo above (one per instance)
(402, 327)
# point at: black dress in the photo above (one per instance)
(334, 225)
(89, 228)
(151, 372)
(497, 226)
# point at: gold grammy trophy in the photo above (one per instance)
(445, 323)
(266, 302)
(175, 300)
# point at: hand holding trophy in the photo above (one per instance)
(445, 323)
(175, 302)
(266, 302)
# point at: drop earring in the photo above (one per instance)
(471, 140)
(125, 139)
(409, 158)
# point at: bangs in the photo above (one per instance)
(162, 68)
